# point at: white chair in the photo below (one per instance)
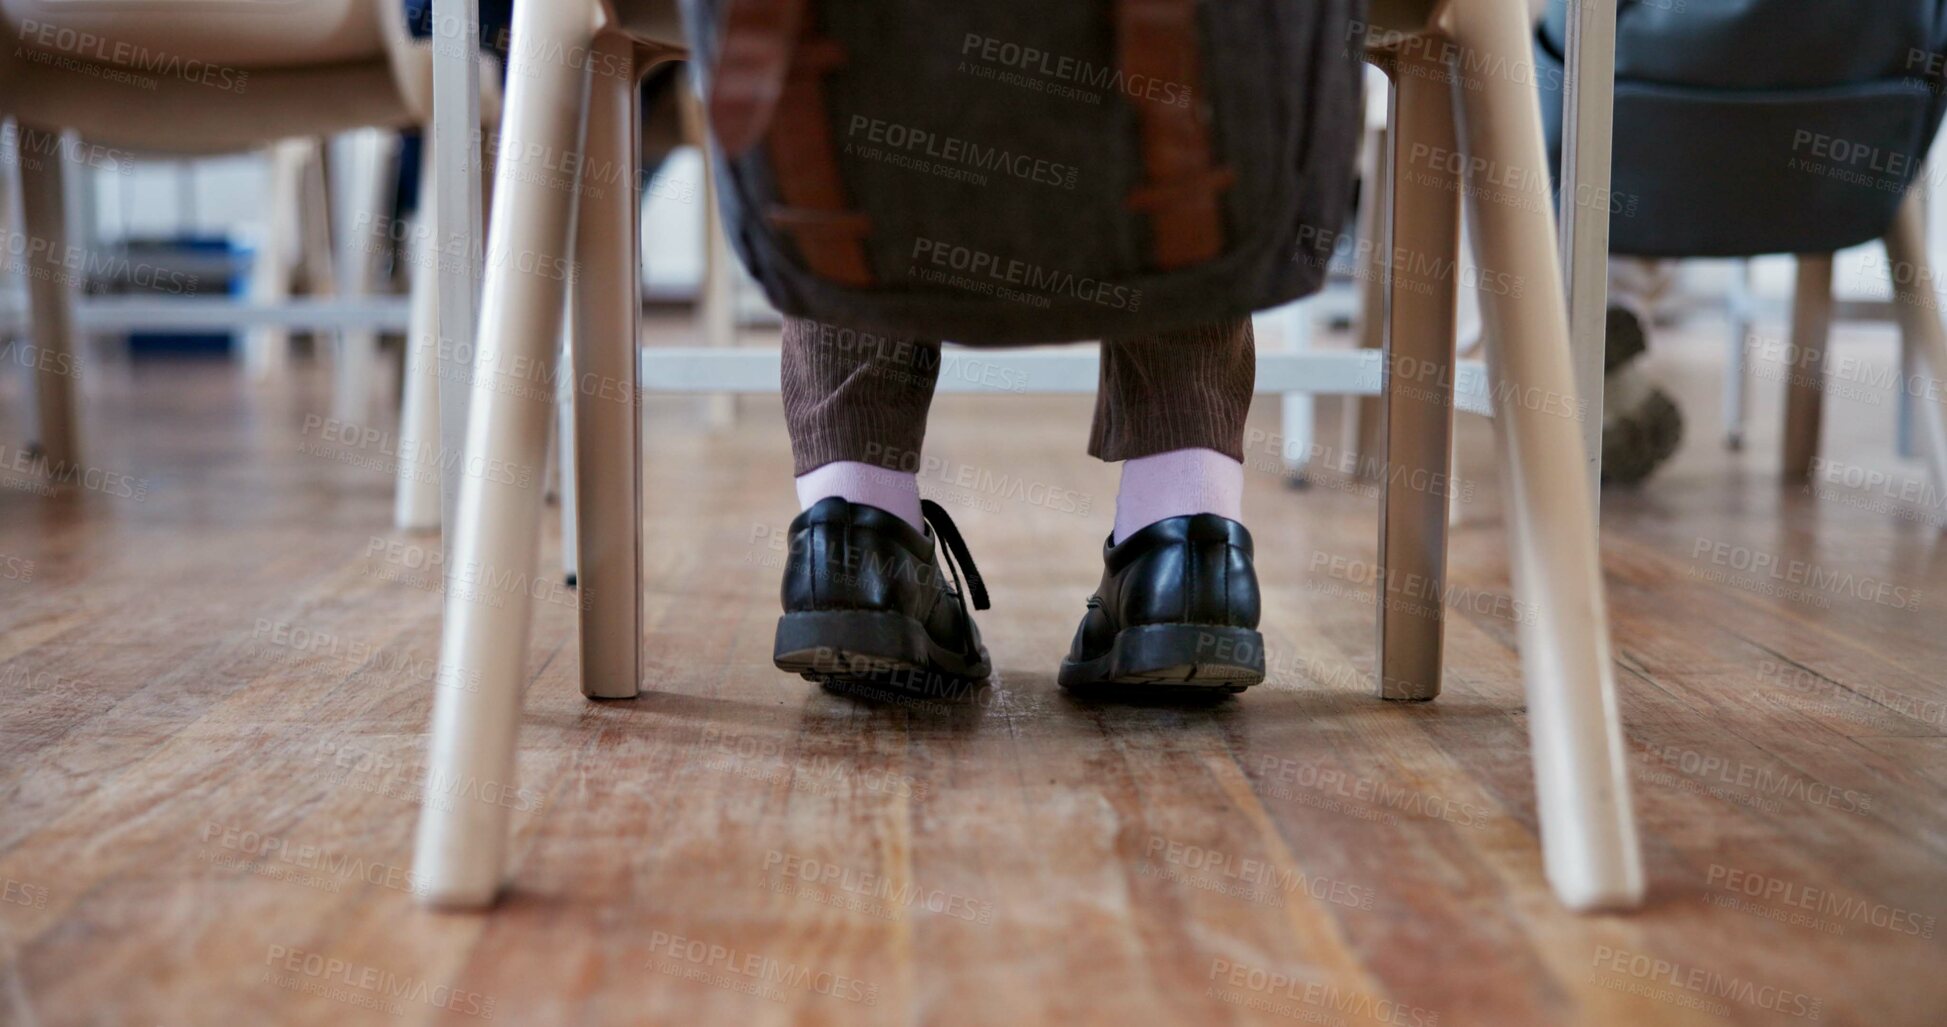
(236, 78)
(1588, 833)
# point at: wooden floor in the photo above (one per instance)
(215, 676)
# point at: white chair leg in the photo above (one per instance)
(561, 449)
(1736, 360)
(315, 230)
(416, 493)
(1298, 410)
(457, 224)
(267, 351)
(1588, 831)
(607, 431)
(718, 309)
(368, 169)
(1805, 375)
(1588, 143)
(1417, 405)
(1906, 409)
(50, 294)
(1375, 234)
(494, 535)
(1919, 308)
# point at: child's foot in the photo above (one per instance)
(1177, 608)
(865, 601)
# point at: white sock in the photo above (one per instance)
(895, 492)
(1179, 482)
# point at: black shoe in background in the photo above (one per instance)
(1177, 609)
(866, 602)
(1641, 425)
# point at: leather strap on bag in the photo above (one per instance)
(752, 59)
(770, 83)
(1157, 40)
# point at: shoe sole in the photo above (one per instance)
(1172, 657)
(870, 647)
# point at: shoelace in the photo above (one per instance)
(959, 561)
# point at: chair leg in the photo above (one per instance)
(1375, 235)
(50, 292)
(1905, 409)
(717, 309)
(561, 447)
(1588, 831)
(1298, 411)
(267, 351)
(608, 433)
(1805, 378)
(1417, 403)
(1920, 324)
(1736, 360)
(462, 833)
(369, 168)
(415, 498)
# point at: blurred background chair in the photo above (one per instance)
(1772, 138)
(210, 79)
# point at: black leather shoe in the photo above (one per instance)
(1177, 608)
(865, 600)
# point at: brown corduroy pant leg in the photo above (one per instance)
(862, 396)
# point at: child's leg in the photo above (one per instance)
(1178, 602)
(1173, 406)
(855, 404)
(877, 587)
